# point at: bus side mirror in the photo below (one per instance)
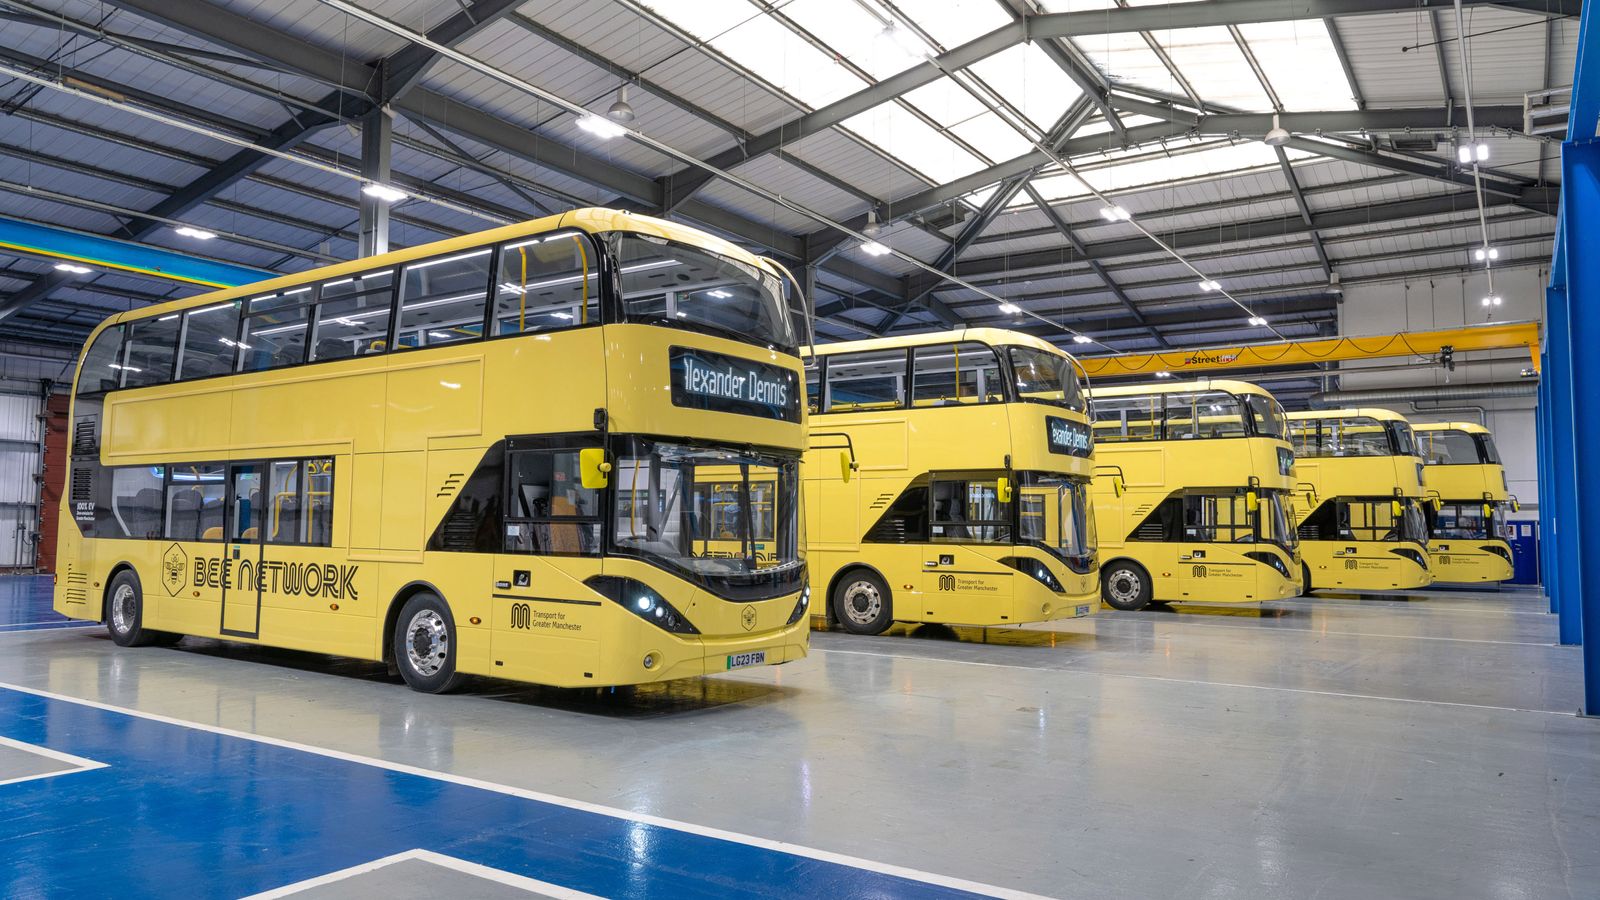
(1252, 501)
(1516, 505)
(593, 469)
(845, 466)
(1398, 508)
(1002, 489)
(1488, 510)
(1116, 485)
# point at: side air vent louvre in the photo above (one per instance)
(82, 485)
(1149, 530)
(85, 436)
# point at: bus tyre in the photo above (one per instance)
(125, 612)
(425, 645)
(862, 604)
(1125, 586)
(1305, 580)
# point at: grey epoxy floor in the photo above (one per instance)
(1387, 746)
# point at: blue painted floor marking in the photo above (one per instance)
(25, 605)
(225, 815)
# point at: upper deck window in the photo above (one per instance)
(1350, 436)
(874, 379)
(152, 348)
(956, 374)
(442, 300)
(209, 340)
(1046, 377)
(273, 333)
(1448, 448)
(1267, 416)
(667, 283)
(353, 316)
(547, 283)
(1177, 416)
(102, 365)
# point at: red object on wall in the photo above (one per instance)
(55, 478)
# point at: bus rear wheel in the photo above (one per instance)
(862, 604)
(1305, 580)
(125, 612)
(425, 645)
(1125, 586)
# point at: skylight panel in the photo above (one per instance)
(1125, 58)
(946, 102)
(1301, 63)
(912, 141)
(1027, 78)
(954, 22)
(991, 136)
(1134, 168)
(766, 47)
(857, 35)
(1214, 66)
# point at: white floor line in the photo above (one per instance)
(1407, 606)
(1164, 678)
(1406, 637)
(500, 876)
(567, 802)
(51, 622)
(79, 763)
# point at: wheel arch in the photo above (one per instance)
(117, 569)
(839, 576)
(398, 602)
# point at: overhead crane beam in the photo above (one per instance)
(1493, 336)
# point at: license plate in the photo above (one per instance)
(1083, 610)
(741, 660)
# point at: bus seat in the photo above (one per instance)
(249, 534)
(330, 348)
(185, 514)
(145, 518)
(214, 533)
(564, 538)
(211, 519)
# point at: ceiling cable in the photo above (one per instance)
(620, 129)
(1485, 251)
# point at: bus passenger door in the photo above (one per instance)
(960, 583)
(242, 552)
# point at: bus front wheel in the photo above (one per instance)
(125, 612)
(425, 645)
(862, 604)
(1305, 582)
(1125, 586)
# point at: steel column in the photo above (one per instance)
(1580, 600)
(377, 132)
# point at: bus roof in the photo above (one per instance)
(591, 219)
(1370, 412)
(1468, 427)
(994, 337)
(1172, 387)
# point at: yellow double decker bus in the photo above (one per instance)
(1466, 486)
(1361, 521)
(1191, 492)
(492, 455)
(947, 481)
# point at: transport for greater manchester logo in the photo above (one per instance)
(749, 618)
(174, 569)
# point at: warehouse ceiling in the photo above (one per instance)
(941, 125)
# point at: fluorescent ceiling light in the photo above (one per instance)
(1082, 339)
(384, 192)
(1483, 253)
(1492, 300)
(1209, 285)
(1010, 308)
(601, 127)
(719, 294)
(199, 234)
(1115, 214)
(1258, 320)
(873, 248)
(73, 269)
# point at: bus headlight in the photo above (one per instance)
(803, 604)
(642, 600)
(1036, 570)
(1270, 559)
